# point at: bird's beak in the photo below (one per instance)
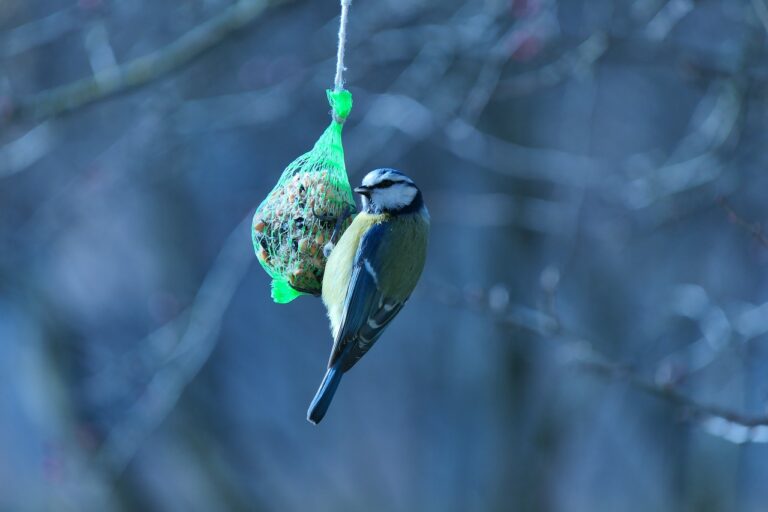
(363, 190)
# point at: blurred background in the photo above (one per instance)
(590, 332)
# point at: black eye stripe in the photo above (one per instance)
(389, 183)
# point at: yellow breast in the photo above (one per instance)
(338, 269)
(400, 260)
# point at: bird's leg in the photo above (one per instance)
(328, 247)
(339, 220)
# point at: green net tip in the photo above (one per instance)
(282, 292)
(341, 103)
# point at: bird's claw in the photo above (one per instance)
(339, 221)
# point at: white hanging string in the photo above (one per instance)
(339, 81)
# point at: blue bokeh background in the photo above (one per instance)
(596, 178)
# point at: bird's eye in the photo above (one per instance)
(385, 184)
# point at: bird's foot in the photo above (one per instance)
(339, 221)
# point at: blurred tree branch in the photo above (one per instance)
(546, 324)
(693, 408)
(21, 153)
(753, 228)
(762, 12)
(572, 62)
(202, 321)
(144, 69)
(39, 32)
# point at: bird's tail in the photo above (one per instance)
(324, 395)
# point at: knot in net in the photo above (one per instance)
(298, 217)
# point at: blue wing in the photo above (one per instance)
(366, 310)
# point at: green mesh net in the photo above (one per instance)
(298, 217)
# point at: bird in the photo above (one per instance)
(371, 272)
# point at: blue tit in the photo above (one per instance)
(371, 272)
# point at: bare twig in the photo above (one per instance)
(234, 110)
(548, 326)
(190, 354)
(753, 228)
(144, 69)
(666, 19)
(418, 79)
(696, 159)
(479, 95)
(572, 62)
(515, 160)
(693, 408)
(762, 12)
(39, 32)
(21, 153)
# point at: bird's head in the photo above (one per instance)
(389, 191)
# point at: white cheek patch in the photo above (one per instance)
(394, 197)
